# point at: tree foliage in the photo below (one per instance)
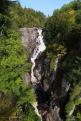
(14, 93)
(62, 33)
(26, 17)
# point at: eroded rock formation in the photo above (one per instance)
(52, 90)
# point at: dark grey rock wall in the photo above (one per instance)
(54, 89)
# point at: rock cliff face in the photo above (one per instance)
(29, 36)
(53, 90)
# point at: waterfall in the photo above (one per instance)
(71, 112)
(40, 47)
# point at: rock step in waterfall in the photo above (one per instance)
(40, 47)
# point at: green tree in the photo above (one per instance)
(62, 33)
(14, 93)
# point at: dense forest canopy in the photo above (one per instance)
(14, 93)
(26, 17)
(62, 33)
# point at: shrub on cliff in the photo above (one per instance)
(14, 93)
(62, 33)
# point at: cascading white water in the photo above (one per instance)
(40, 47)
(71, 112)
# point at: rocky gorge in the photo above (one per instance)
(40, 63)
(51, 92)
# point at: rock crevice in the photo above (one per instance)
(51, 90)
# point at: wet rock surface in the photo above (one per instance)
(51, 92)
(28, 36)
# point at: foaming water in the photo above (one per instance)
(40, 47)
